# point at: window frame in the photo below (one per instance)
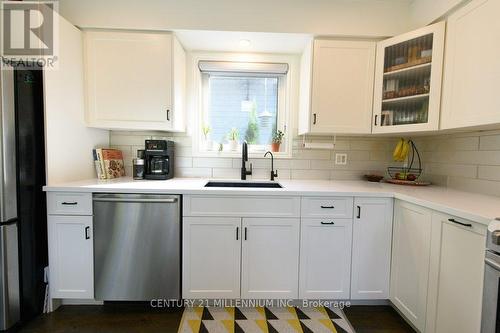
(284, 103)
(281, 107)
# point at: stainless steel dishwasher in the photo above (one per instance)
(137, 244)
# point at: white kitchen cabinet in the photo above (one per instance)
(371, 248)
(456, 276)
(211, 257)
(411, 261)
(339, 99)
(134, 80)
(407, 92)
(270, 258)
(71, 256)
(325, 258)
(472, 70)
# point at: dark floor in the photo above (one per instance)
(133, 318)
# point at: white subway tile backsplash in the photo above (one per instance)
(490, 142)
(212, 162)
(489, 172)
(311, 174)
(465, 161)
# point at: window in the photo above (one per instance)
(242, 106)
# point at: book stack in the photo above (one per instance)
(108, 163)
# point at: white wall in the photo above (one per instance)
(68, 141)
(424, 12)
(320, 17)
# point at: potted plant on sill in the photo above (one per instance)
(233, 136)
(277, 140)
(208, 143)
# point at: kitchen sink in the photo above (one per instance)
(244, 184)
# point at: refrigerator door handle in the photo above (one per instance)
(8, 179)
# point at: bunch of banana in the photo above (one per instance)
(402, 150)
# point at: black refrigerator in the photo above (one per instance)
(23, 218)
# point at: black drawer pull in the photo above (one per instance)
(359, 212)
(237, 233)
(329, 207)
(464, 224)
(245, 233)
(87, 229)
(329, 223)
(72, 203)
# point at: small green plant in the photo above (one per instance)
(252, 133)
(206, 130)
(278, 137)
(234, 134)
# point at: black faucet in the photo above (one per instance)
(273, 173)
(244, 159)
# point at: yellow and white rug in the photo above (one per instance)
(264, 320)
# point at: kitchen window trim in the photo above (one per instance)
(286, 103)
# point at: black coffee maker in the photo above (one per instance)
(159, 159)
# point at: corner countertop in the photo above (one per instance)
(475, 207)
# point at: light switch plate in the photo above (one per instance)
(340, 159)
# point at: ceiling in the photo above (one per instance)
(367, 18)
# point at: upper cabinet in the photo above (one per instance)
(407, 89)
(134, 80)
(472, 69)
(338, 98)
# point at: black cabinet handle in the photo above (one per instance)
(168, 114)
(359, 212)
(376, 118)
(237, 233)
(464, 224)
(328, 207)
(87, 229)
(245, 233)
(70, 203)
(329, 223)
(314, 118)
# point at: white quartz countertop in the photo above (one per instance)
(471, 206)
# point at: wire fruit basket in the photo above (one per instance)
(410, 173)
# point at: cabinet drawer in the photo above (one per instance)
(69, 203)
(244, 206)
(338, 207)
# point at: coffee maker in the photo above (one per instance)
(159, 159)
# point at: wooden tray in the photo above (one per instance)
(407, 182)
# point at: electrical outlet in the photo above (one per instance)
(340, 159)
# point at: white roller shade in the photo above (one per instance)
(242, 67)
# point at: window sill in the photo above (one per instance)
(237, 154)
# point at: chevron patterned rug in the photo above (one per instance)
(264, 320)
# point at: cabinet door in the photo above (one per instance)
(211, 257)
(371, 250)
(71, 256)
(410, 261)
(325, 258)
(458, 253)
(342, 86)
(129, 80)
(270, 258)
(472, 69)
(408, 81)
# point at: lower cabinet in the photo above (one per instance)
(270, 258)
(217, 249)
(410, 261)
(325, 258)
(456, 276)
(211, 257)
(71, 256)
(371, 248)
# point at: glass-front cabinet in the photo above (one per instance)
(407, 88)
